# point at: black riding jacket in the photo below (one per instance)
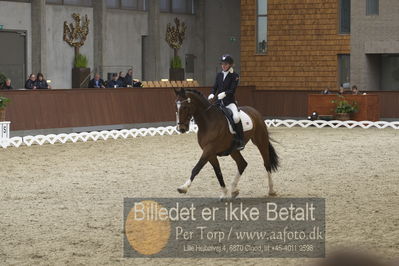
(228, 85)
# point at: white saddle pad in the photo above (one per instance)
(246, 121)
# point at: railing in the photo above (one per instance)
(170, 84)
(171, 130)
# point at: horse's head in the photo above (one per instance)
(185, 110)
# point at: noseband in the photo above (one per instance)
(178, 104)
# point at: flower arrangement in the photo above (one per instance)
(81, 61)
(344, 107)
(3, 102)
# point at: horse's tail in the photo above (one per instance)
(274, 160)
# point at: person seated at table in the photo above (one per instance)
(122, 80)
(129, 78)
(30, 84)
(342, 90)
(130, 81)
(355, 90)
(326, 91)
(97, 82)
(114, 82)
(7, 85)
(41, 83)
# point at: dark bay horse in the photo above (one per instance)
(214, 138)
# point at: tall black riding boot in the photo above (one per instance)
(240, 136)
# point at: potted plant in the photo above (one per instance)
(75, 34)
(344, 109)
(80, 72)
(2, 79)
(3, 104)
(176, 71)
(174, 37)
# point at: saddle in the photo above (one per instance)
(229, 116)
(246, 121)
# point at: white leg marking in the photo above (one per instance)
(184, 188)
(224, 193)
(271, 190)
(234, 189)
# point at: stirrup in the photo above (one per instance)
(240, 145)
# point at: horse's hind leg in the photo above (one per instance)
(241, 165)
(264, 146)
(216, 167)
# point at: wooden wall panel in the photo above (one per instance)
(303, 44)
(42, 109)
(96, 107)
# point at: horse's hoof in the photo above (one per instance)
(235, 193)
(182, 190)
(223, 198)
(273, 194)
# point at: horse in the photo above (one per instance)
(214, 138)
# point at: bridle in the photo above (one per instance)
(188, 100)
(178, 104)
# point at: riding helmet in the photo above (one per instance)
(227, 59)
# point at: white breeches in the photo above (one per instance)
(234, 109)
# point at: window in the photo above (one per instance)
(58, 2)
(165, 5)
(177, 6)
(372, 7)
(23, 1)
(113, 4)
(127, 4)
(261, 26)
(344, 16)
(344, 69)
(71, 2)
(390, 72)
(78, 2)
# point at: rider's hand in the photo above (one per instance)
(211, 96)
(221, 95)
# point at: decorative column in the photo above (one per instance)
(153, 42)
(99, 28)
(39, 38)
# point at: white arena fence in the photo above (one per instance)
(5, 141)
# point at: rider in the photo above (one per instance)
(225, 88)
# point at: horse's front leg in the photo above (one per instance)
(197, 168)
(216, 167)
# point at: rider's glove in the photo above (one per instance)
(211, 96)
(221, 95)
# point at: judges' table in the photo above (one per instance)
(69, 108)
(369, 105)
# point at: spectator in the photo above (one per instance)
(342, 90)
(121, 80)
(113, 83)
(30, 84)
(129, 81)
(96, 82)
(355, 90)
(7, 85)
(41, 83)
(129, 78)
(326, 91)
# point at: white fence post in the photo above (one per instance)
(4, 134)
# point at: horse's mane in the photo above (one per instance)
(201, 97)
